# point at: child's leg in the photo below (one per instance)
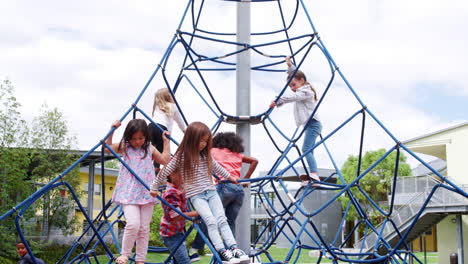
(146, 213)
(198, 242)
(216, 207)
(132, 216)
(201, 205)
(312, 131)
(180, 252)
(232, 197)
(156, 138)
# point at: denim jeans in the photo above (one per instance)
(209, 207)
(312, 129)
(232, 197)
(181, 254)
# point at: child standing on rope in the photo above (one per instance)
(165, 112)
(305, 100)
(194, 160)
(135, 199)
(227, 149)
(172, 226)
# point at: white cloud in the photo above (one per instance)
(91, 59)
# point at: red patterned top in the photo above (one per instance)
(169, 225)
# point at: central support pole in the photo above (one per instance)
(243, 108)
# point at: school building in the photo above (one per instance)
(445, 218)
(442, 226)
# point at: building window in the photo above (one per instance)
(97, 188)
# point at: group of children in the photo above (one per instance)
(189, 175)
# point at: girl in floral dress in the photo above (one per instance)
(136, 201)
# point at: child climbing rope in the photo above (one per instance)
(172, 226)
(165, 112)
(305, 100)
(227, 149)
(194, 160)
(135, 199)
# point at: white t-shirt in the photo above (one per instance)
(161, 118)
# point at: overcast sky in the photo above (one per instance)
(405, 59)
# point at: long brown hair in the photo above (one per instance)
(189, 148)
(300, 75)
(134, 126)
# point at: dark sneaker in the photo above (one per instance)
(305, 180)
(239, 254)
(227, 257)
(194, 257)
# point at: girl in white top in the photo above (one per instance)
(305, 100)
(165, 112)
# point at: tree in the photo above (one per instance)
(376, 183)
(52, 155)
(14, 165)
(112, 164)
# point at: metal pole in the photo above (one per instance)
(425, 251)
(91, 189)
(461, 258)
(411, 256)
(243, 108)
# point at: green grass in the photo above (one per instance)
(278, 254)
(432, 257)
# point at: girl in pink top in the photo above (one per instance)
(136, 201)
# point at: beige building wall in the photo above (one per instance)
(447, 238)
(451, 145)
(457, 155)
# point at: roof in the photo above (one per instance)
(437, 164)
(436, 132)
(93, 156)
(290, 175)
(97, 171)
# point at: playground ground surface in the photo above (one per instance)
(277, 254)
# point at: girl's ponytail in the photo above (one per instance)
(300, 75)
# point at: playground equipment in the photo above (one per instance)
(193, 55)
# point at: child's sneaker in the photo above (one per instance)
(305, 180)
(194, 257)
(238, 253)
(227, 257)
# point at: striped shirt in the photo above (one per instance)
(195, 182)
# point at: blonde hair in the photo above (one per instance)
(300, 75)
(162, 98)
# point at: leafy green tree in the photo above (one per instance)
(14, 165)
(53, 154)
(376, 183)
(112, 164)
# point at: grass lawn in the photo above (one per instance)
(278, 254)
(432, 257)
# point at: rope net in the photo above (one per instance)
(197, 60)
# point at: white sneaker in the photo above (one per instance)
(240, 254)
(227, 257)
